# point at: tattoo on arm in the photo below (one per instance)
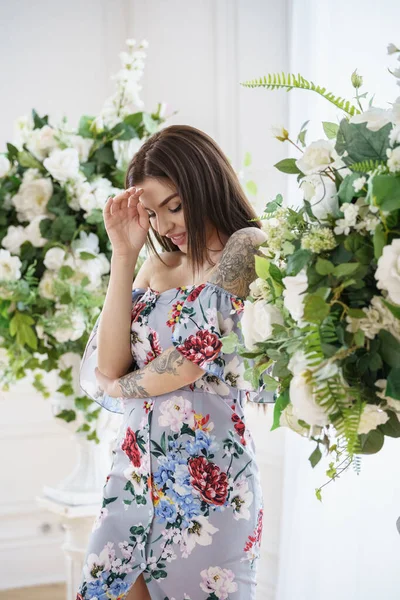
(167, 362)
(236, 269)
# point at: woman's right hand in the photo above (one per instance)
(126, 221)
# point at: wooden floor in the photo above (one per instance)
(56, 591)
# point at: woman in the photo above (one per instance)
(182, 507)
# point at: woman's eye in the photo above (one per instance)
(173, 210)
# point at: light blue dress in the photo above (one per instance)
(182, 502)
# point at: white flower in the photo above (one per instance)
(280, 133)
(32, 197)
(199, 531)
(124, 151)
(218, 581)
(135, 478)
(241, 498)
(72, 331)
(95, 565)
(41, 142)
(5, 166)
(375, 118)
(46, 285)
(54, 259)
(377, 317)
(9, 266)
(393, 159)
(394, 136)
(257, 321)
(392, 49)
(81, 145)
(287, 419)
(32, 232)
(293, 295)
(350, 212)
(298, 362)
(14, 239)
(388, 272)
(87, 242)
(100, 518)
(371, 417)
(359, 183)
(23, 127)
(174, 412)
(317, 157)
(305, 406)
(321, 193)
(63, 164)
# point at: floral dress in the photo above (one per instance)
(182, 503)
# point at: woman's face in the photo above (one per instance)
(164, 207)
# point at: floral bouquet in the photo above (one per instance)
(54, 256)
(323, 318)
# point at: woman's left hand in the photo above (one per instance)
(109, 386)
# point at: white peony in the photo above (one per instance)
(176, 411)
(321, 193)
(72, 331)
(388, 272)
(63, 164)
(375, 118)
(257, 321)
(32, 197)
(317, 157)
(293, 295)
(371, 417)
(10, 266)
(219, 582)
(54, 259)
(5, 166)
(33, 234)
(125, 150)
(393, 159)
(14, 239)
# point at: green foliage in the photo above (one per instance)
(274, 81)
(355, 143)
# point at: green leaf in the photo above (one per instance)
(345, 269)
(229, 342)
(84, 126)
(315, 309)
(318, 494)
(360, 143)
(389, 348)
(288, 165)
(371, 442)
(330, 129)
(281, 403)
(251, 187)
(324, 267)
(247, 159)
(356, 313)
(395, 310)
(262, 267)
(393, 384)
(346, 191)
(297, 261)
(392, 426)
(150, 124)
(384, 191)
(315, 457)
(379, 240)
(28, 161)
(67, 415)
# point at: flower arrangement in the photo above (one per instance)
(54, 256)
(323, 318)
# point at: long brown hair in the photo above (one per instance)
(206, 184)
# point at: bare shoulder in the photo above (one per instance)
(153, 265)
(236, 268)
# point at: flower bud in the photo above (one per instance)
(280, 133)
(356, 80)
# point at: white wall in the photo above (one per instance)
(59, 60)
(348, 546)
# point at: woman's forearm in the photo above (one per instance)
(113, 337)
(168, 372)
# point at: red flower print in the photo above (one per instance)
(136, 310)
(156, 349)
(131, 448)
(256, 537)
(79, 597)
(207, 478)
(240, 427)
(148, 405)
(201, 347)
(194, 293)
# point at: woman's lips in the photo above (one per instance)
(179, 239)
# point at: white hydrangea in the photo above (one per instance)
(371, 417)
(388, 272)
(393, 162)
(316, 157)
(10, 266)
(350, 212)
(318, 239)
(5, 166)
(277, 231)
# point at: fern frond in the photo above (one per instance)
(367, 165)
(275, 81)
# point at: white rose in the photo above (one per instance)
(257, 321)
(9, 266)
(46, 285)
(305, 406)
(72, 332)
(5, 166)
(82, 146)
(14, 239)
(101, 189)
(317, 157)
(375, 118)
(393, 159)
(124, 151)
(371, 417)
(54, 259)
(86, 243)
(293, 295)
(321, 192)
(63, 164)
(41, 142)
(33, 234)
(388, 272)
(32, 198)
